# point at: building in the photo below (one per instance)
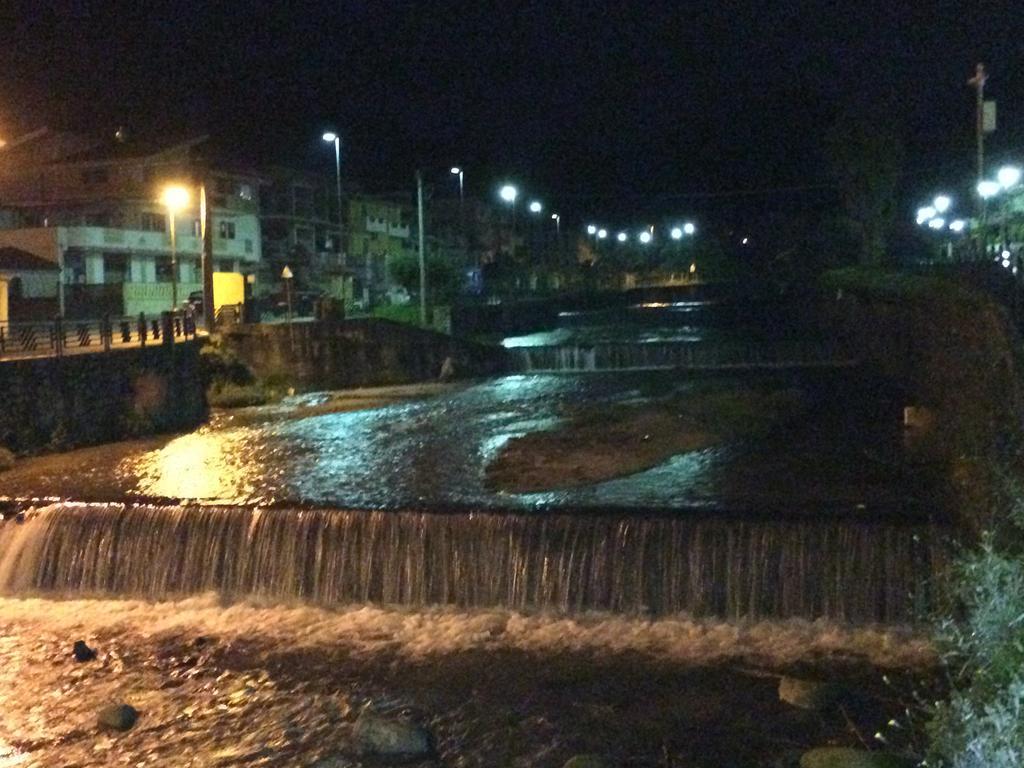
(92, 207)
(379, 232)
(28, 286)
(299, 229)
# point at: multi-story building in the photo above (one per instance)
(378, 231)
(94, 209)
(299, 224)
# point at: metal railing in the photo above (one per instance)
(61, 336)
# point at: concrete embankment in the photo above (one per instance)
(357, 353)
(57, 403)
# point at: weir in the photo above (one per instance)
(857, 571)
(663, 355)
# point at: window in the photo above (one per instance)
(154, 222)
(97, 219)
(227, 230)
(245, 191)
(248, 245)
(92, 176)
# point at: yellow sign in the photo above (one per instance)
(228, 289)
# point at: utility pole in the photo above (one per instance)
(423, 261)
(206, 231)
(978, 81)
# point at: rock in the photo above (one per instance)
(587, 761)
(373, 734)
(844, 757)
(83, 652)
(809, 694)
(118, 717)
(6, 459)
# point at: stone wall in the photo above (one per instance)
(356, 353)
(83, 399)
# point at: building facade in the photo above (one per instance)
(95, 210)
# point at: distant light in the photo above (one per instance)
(689, 228)
(1006, 254)
(602, 234)
(989, 188)
(536, 207)
(175, 197)
(591, 229)
(1008, 176)
(645, 237)
(456, 170)
(693, 268)
(622, 237)
(937, 223)
(677, 233)
(509, 193)
(745, 240)
(942, 203)
(330, 137)
(1006, 263)
(957, 225)
(926, 213)
(555, 216)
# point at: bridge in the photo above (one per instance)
(61, 337)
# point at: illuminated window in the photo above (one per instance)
(227, 230)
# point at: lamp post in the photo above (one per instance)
(509, 193)
(333, 138)
(175, 198)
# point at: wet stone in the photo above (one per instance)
(83, 652)
(373, 734)
(843, 757)
(587, 761)
(118, 717)
(813, 695)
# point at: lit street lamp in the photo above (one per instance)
(942, 203)
(645, 237)
(676, 233)
(536, 207)
(558, 222)
(591, 230)
(509, 193)
(175, 198)
(1008, 176)
(602, 234)
(622, 237)
(988, 189)
(689, 228)
(332, 138)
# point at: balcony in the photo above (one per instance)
(139, 241)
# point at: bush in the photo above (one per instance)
(982, 640)
(227, 395)
(6, 459)
(219, 365)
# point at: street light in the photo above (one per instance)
(645, 237)
(926, 213)
(1008, 176)
(622, 237)
(508, 193)
(602, 234)
(988, 188)
(536, 207)
(591, 229)
(175, 198)
(558, 222)
(957, 225)
(937, 223)
(689, 228)
(332, 138)
(676, 233)
(942, 203)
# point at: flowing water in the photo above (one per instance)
(855, 571)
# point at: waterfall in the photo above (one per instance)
(655, 355)
(860, 571)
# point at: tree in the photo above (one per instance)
(444, 279)
(866, 156)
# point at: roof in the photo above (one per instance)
(17, 260)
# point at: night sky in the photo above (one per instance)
(610, 110)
